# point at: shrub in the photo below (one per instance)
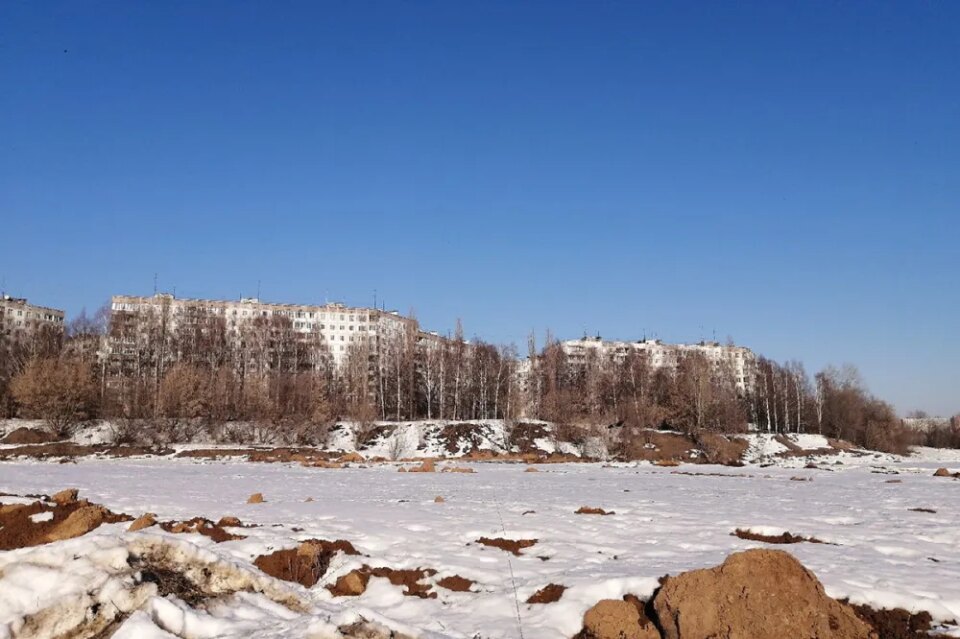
(62, 392)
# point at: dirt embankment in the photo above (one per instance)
(63, 516)
(760, 594)
(69, 449)
(705, 448)
(23, 436)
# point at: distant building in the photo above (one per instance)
(336, 326)
(740, 360)
(20, 320)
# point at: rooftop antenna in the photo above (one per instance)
(374, 299)
(714, 334)
(258, 290)
(154, 283)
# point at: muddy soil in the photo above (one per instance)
(510, 545)
(548, 594)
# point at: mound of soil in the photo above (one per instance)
(143, 521)
(897, 623)
(306, 563)
(785, 538)
(587, 510)
(762, 594)
(618, 619)
(943, 472)
(456, 583)
(255, 498)
(510, 545)
(202, 526)
(67, 519)
(548, 594)
(426, 466)
(354, 583)
(28, 436)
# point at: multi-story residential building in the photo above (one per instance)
(740, 360)
(21, 320)
(336, 326)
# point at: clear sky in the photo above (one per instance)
(785, 173)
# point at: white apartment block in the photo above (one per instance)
(339, 326)
(741, 360)
(20, 319)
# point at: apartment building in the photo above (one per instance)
(337, 326)
(740, 360)
(20, 320)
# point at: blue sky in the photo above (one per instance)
(787, 174)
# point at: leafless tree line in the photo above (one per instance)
(200, 372)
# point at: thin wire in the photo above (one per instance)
(513, 581)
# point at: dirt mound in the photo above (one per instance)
(456, 583)
(65, 520)
(202, 526)
(306, 563)
(22, 436)
(291, 565)
(255, 498)
(784, 538)
(143, 521)
(943, 472)
(618, 619)
(66, 496)
(426, 466)
(897, 623)
(355, 582)
(587, 510)
(548, 594)
(762, 594)
(510, 545)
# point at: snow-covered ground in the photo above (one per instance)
(879, 551)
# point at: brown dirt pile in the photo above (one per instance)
(143, 521)
(618, 619)
(897, 623)
(426, 466)
(255, 498)
(548, 594)
(785, 538)
(202, 526)
(306, 563)
(456, 583)
(510, 545)
(943, 472)
(355, 582)
(70, 518)
(762, 594)
(587, 510)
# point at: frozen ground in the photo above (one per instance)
(882, 553)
